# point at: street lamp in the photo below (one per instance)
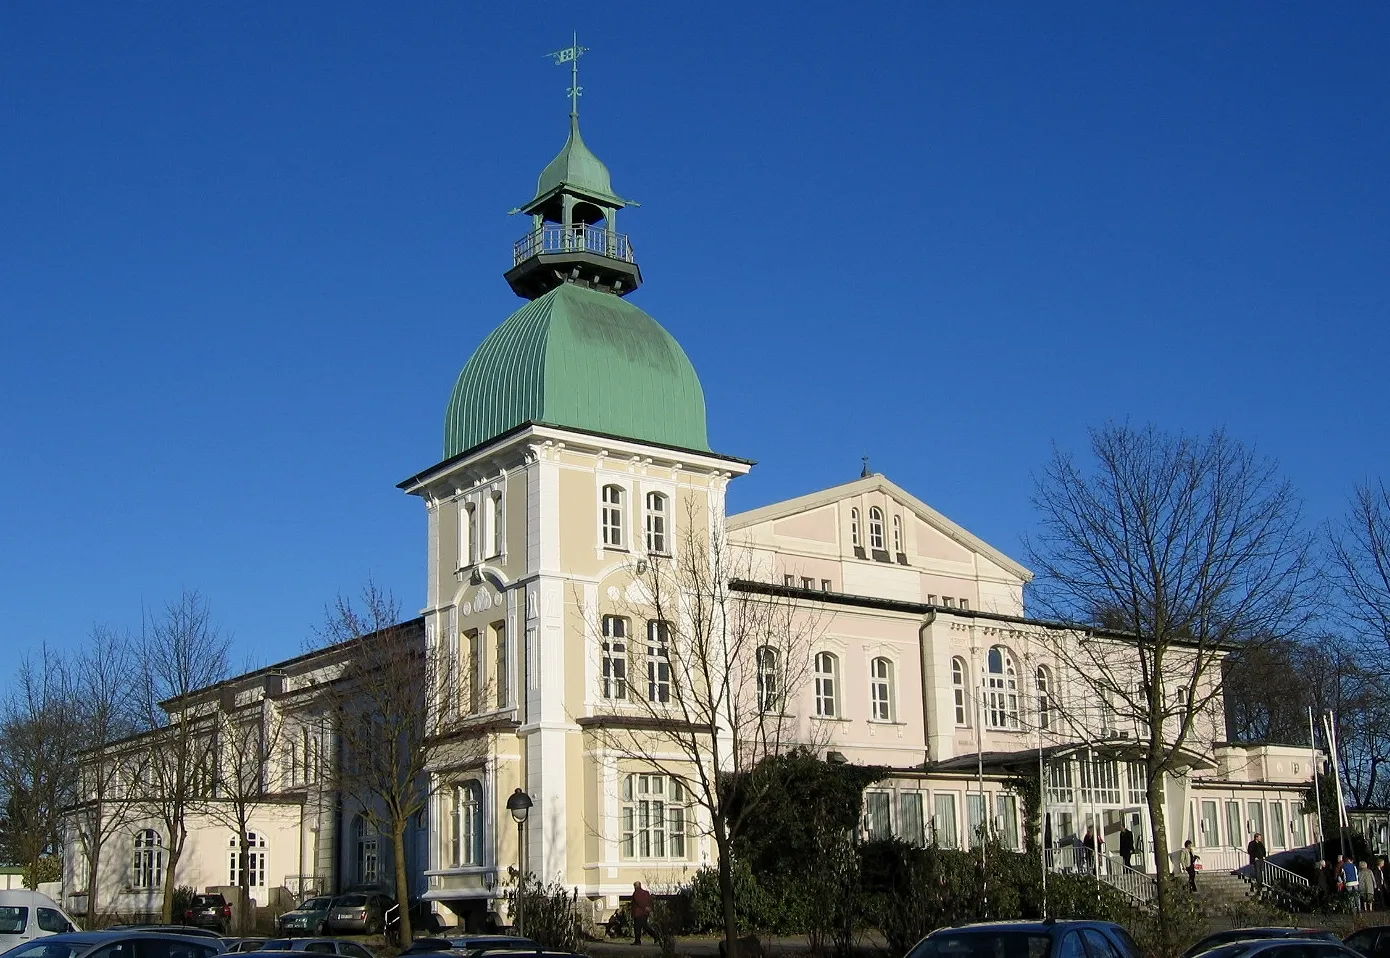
(519, 804)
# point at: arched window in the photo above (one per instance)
(468, 534)
(769, 679)
(827, 685)
(658, 661)
(958, 691)
(854, 528)
(1042, 682)
(495, 520)
(876, 529)
(898, 534)
(614, 657)
(612, 516)
(368, 852)
(466, 824)
(656, 523)
(881, 689)
(1001, 684)
(255, 861)
(148, 870)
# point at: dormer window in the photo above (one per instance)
(876, 529)
(656, 523)
(611, 517)
(854, 528)
(898, 534)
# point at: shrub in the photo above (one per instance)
(552, 916)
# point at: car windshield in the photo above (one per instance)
(13, 920)
(352, 901)
(315, 904)
(45, 948)
(203, 900)
(984, 944)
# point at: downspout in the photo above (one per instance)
(925, 624)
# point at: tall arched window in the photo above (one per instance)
(468, 534)
(656, 523)
(854, 528)
(898, 534)
(612, 516)
(1042, 682)
(881, 689)
(613, 655)
(1001, 702)
(466, 824)
(827, 685)
(958, 691)
(368, 852)
(876, 529)
(148, 870)
(495, 520)
(255, 861)
(658, 661)
(769, 679)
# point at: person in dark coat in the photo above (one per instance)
(1094, 844)
(1257, 853)
(1126, 844)
(641, 911)
(1323, 884)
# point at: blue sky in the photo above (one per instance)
(248, 246)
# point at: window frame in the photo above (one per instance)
(613, 653)
(496, 521)
(1001, 690)
(256, 857)
(465, 838)
(959, 682)
(1042, 686)
(826, 685)
(877, 539)
(659, 681)
(898, 534)
(654, 818)
(611, 519)
(767, 663)
(881, 698)
(656, 523)
(854, 528)
(147, 870)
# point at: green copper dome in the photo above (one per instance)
(581, 358)
(578, 168)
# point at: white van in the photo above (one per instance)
(26, 915)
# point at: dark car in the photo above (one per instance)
(209, 911)
(359, 913)
(1028, 939)
(126, 943)
(1373, 942)
(238, 945)
(310, 918)
(315, 946)
(1283, 947)
(186, 931)
(471, 943)
(1220, 938)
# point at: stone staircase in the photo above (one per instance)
(1223, 888)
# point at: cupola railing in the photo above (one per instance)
(579, 238)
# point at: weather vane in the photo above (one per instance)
(571, 55)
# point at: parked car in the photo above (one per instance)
(310, 918)
(26, 915)
(470, 943)
(1029, 939)
(316, 946)
(126, 943)
(1373, 942)
(1283, 947)
(239, 945)
(1217, 939)
(209, 911)
(186, 931)
(359, 913)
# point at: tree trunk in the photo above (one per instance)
(726, 889)
(243, 884)
(1162, 867)
(166, 913)
(402, 885)
(93, 867)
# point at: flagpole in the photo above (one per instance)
(1317, 785)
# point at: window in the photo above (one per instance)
(614, 657)
(1256, 813)
(827, 684)
(825, 585)
(148, 871)
(965, 603)
(658, 661)
(1138, 792)
(656, 523)
(255, 861)
(807, 583)
(1006, 811)
(450, 673)
(1235, 828)
(654, 817)
(944, 820)
(1100, 782)
(1059, 786)
(789, 581)
(51, 920)
(958, 691)
(977, 828)
(467, 529)
(1042, 682)
(1276, 825)
(898, 534)
(1298, 836)
(368, 856)
(466, 824)
(878, 817)
(504, 665)
(854, 528)
(876, 529)
(1001, 682)
(769, 680)
(948, 601)
(881, 689)
(495, 521)
(475, 670)
(1211, 828)
(910, 822)
(612, 516)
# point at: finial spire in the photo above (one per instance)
(571, 55)
(865, 472)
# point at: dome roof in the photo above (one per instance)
(581, 358)
(578, 168)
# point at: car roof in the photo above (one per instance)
(93, 937)
(1034, 926)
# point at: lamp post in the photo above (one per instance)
(519, 804)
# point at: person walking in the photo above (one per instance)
(641, 912)
(1126, 844)
(1257, 853)
(1187, 861)
(1094, 845)
(1368, 886)
(1324, 884)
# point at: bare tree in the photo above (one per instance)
(1182, 548)
(180, 653)
(106, 698)
(1360, 548)
(41, 730)
(382, 705)
(721, 652)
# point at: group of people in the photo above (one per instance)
(1367, 880)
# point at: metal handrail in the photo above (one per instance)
(577, 238)
(1271, 873)
(1139, 885)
